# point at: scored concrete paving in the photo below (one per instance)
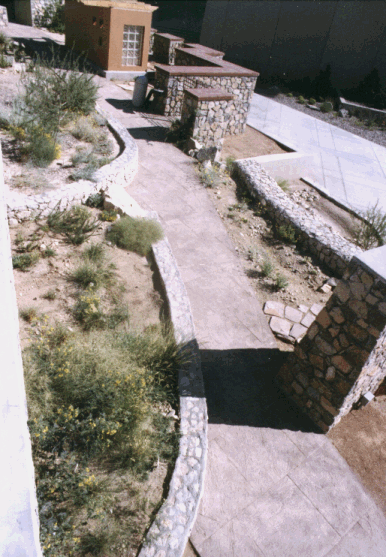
(274, 487)
(350, 169)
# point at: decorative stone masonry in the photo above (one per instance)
(164, 47)
(38, 7)
(362, 111)
(151, 42)
(318, 237)
(174, 80)
(209, 112)
(3, 16)
(343, 355)
(288, 323)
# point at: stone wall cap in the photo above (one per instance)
(132, 5)
(206, 49)
(170, 37)
(226, 70)
(203, 94)
(375, 260)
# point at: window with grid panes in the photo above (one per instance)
(132, 45)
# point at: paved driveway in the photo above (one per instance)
(349, 168)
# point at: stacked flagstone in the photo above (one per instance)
(290, 324)
(343, 355)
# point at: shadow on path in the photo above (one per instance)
(241, 390)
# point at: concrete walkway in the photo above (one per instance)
(350, 169)
(273, 486)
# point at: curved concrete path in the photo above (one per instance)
(350, 169)
(274, 487)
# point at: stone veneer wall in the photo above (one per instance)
(343, 354)
(171, 102)
(38, 7)
(3, 16)
(318, 237)
(210, 118)
(164, 48)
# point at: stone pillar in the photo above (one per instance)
(164, 48)
(3, 16)
(206, 109)
(343, 355)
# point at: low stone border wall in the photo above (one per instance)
(169, 533)
(3, 16)
(362, 111)
(109, 180)
(328, 246)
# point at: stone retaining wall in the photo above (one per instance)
(164, 48)
(319, 238)
(171, 102)
(210, 118)
(355, 109)
(114, 176)
(3, 16)
(343, 355)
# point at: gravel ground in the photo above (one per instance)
(350, 124)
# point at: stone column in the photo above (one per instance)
(343, 355)
(3, 16)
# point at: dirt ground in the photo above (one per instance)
(145, 306)
(52, 275)
(252, 143)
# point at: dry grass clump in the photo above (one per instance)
(136, 235)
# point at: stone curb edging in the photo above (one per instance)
(355, 108)
(109, 180)
(330, 248)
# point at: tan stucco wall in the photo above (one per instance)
(83, 35)
(119, 18)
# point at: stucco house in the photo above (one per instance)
(114, 34)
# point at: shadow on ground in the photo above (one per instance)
(240, 389)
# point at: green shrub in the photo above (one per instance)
(95, 253)
(76, 223)
(52, 17)
(54, 91)
(82, 156)
(287, 233)
(290, 95)
(41, 148)
(326, 107)
(301, 100)
(371, 232)
(283, 184)
(312, 101)
(25, 260)
(136, 235)
(266, 267)
(4, 61)
(92, 275)
(229, 164)
(29, 314)
(108, 216)
(95, 201)
(210, 177)
(86, 129)
(50, 295)
(281, 282)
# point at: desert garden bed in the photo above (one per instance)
(100, 369)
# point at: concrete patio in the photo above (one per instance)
(348, 168)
